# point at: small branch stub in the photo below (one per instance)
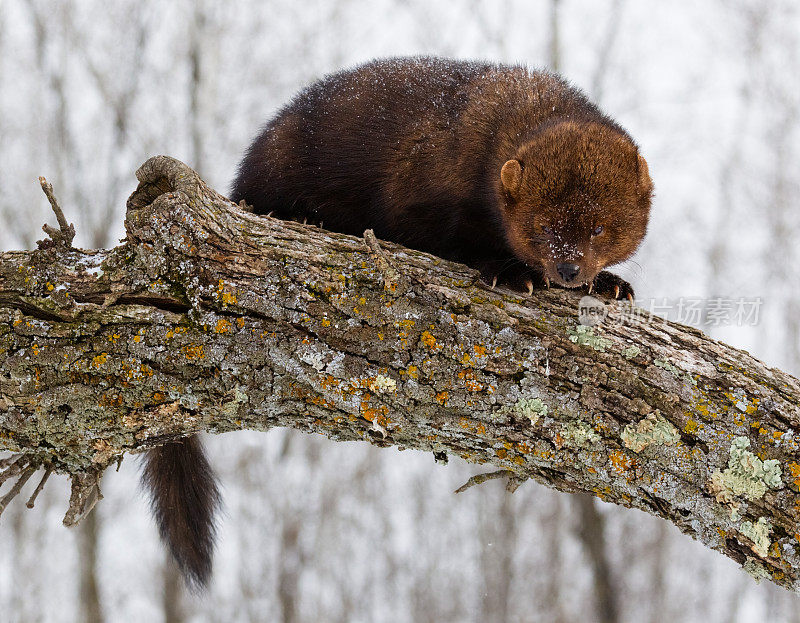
(85, 494)
(65, 234)
(20, 467)
(513, 480)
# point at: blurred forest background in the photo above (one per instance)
(319, 531)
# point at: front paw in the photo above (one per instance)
(610, 285)
(521, 278)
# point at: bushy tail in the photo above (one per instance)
(184, 497)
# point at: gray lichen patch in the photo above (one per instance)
(746, 475)
(758, 533)
(585, 336)
(653, 429)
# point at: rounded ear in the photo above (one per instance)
(645, 183)
(511, 176)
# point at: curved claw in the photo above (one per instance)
(630, 297)
(529, 285)
(546, 282)
(591, 285)
(494, 282)
(616, 292)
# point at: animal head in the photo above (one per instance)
(576, 199)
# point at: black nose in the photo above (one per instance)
(568, 272)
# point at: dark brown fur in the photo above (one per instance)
(184, 498)
(504, 169)
(414, 148)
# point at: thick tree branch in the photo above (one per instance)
(211, 318)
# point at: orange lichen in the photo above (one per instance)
(702, 409)
(171, 333)
(442, 397)
(479, 350)
(226, 298)
(110, 399)
(99, 360)
(223, 326)
(194, 352)
(372, 413)
(429, 341)
(620, 462)
(692, 427)
(329, 382)
(468, 376)
(794, 469)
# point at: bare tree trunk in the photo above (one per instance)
(659, 608)
(197, 40)
(552, 526)
(89, 600)
(209, 318)
(289, 573)
(591, 530)
(498, 534)
(606, 48)
(172, 584)
(555, 36)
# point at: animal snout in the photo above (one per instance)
(567, 271)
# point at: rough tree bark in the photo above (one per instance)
(210, 318)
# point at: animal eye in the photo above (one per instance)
(597, 230)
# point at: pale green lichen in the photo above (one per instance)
(746, 475)
(755, 570)
(653, 429)
(758, 533)
(531, 408)
(585, 336)
(383, 384)
(666, 365)
(631, 351)
(578, 433)
(231, 408)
